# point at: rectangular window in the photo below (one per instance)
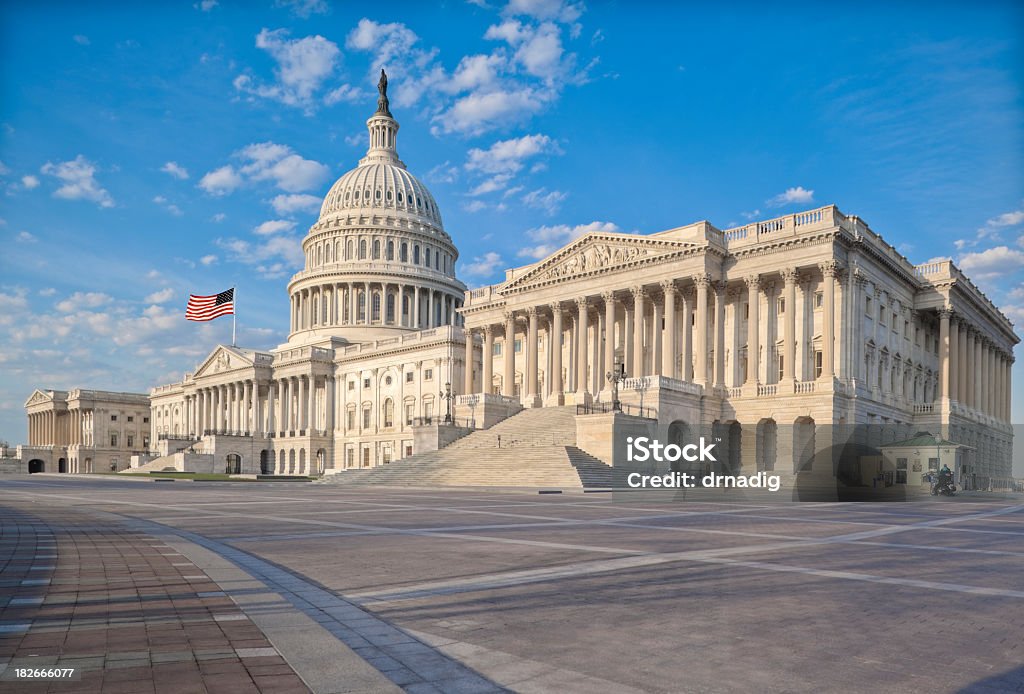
(131, 441)
(408, 414)
(130, 418)
(366, 383)
(351, 421)
(428, 374)
(867, 308)
(145, 420)
(497, 349)
(819, 300)
(366, 457)
(428, 410)
(113, 440)
(351, 385)
(409, 377)
(881, 315)
(350, 457)
(408, 450)
(781, 306)
(366, 417)
(782, 362)
(906, 328)
(746, 311)
(933, 463)
(519, 346)
(901, 463)
(901, 477)
(895, 320)
(145, 442)
(113, 418)
(817, 363)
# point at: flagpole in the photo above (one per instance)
(233, 314)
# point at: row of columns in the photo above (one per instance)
(973, 371)
(282, 405)
(660, 334)
(52, 428)
(338, 304)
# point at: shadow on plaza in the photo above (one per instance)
(1009, 681)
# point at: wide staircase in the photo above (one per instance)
(534, 448)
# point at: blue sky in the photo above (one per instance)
(155, 150)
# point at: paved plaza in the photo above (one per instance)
(282, 587)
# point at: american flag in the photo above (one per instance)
(204, 308)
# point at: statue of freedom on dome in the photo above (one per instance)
(382, 101)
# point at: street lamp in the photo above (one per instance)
(641, 387)
(447, 396)
(614, 376)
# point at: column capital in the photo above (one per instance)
(509, 316)
(720, 287)
(752, 281)
(608, 297)
(555, 307)
(702, 280)
(790, 276)
(488, 330)
(830, 268)
(669, 287)
(637, 292)
(531, 311)
(581, 302)
(945, 313)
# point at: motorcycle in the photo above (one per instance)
(944, 487)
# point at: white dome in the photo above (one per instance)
(381, 187)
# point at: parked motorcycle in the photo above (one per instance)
(944, 487)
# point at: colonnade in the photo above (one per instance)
(973, 370)
(284, 406)
(666, 330)
(53, 428)
(373, 303)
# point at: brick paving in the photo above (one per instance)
(125, 610)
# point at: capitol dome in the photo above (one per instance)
(378, 260)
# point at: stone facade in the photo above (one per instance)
(804, 328)
(84, 430)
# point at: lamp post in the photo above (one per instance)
(614, 377)
(641, 387)
(447, 396)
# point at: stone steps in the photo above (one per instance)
(537, 450)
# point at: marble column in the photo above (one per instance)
(954, 359)
(789, 277)
(609, 335)
(638, 331)
(508, 382)
(700, 346)
(962, 360)
(555, 344)
(944, 316)
(488, 359)
(719, 335)
(581, 359)
(532, 351)
(467, 386)
(828, 331)
(686, 343)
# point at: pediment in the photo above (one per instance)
(597, 253)
(38, 397)
(223, 359)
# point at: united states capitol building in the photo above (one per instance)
(776, 337)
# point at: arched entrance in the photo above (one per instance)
(233, 464)
(302, 461)
(62, 465)
(291, 462)
(767, 444)
(728, 438)
(321, 461)
(679, 435)
(36, 465)
(803, 444)
(266, 464)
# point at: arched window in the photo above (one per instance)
(403, 253)
(416, 255)
(348, 250)
(361, 311)
(376, 307)
(437, 261)
(319, 254)
(327, 254)
(389, 413)
(316, 310)
(391, 308)
(426, 256)
(362, 249)
(391, 250)
(405, 305)
(376, 249)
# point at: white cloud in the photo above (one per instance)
(992, 263)
(507, 156)
(991, 230)
(303, 65)
(304, 8)
(443, 173)
(25, 237)
(167, 205)
(483, 266)
(160, 297)
(479, 112)
(345, 92)
(273, 258)
(475, 206)
(78, 177)
(287, 204)
(29, 182)
(81, 39)
(791, 196)
(266, 161)
(208, 259)
(1007, 219)
(274, 226)
(558, 10)
(218, 218)
(47, 291)
(80, 300)
(551, 238)
(175, 169)
(541, 199)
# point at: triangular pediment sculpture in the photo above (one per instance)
(596, 253)
(38, 397)
(223, 359)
